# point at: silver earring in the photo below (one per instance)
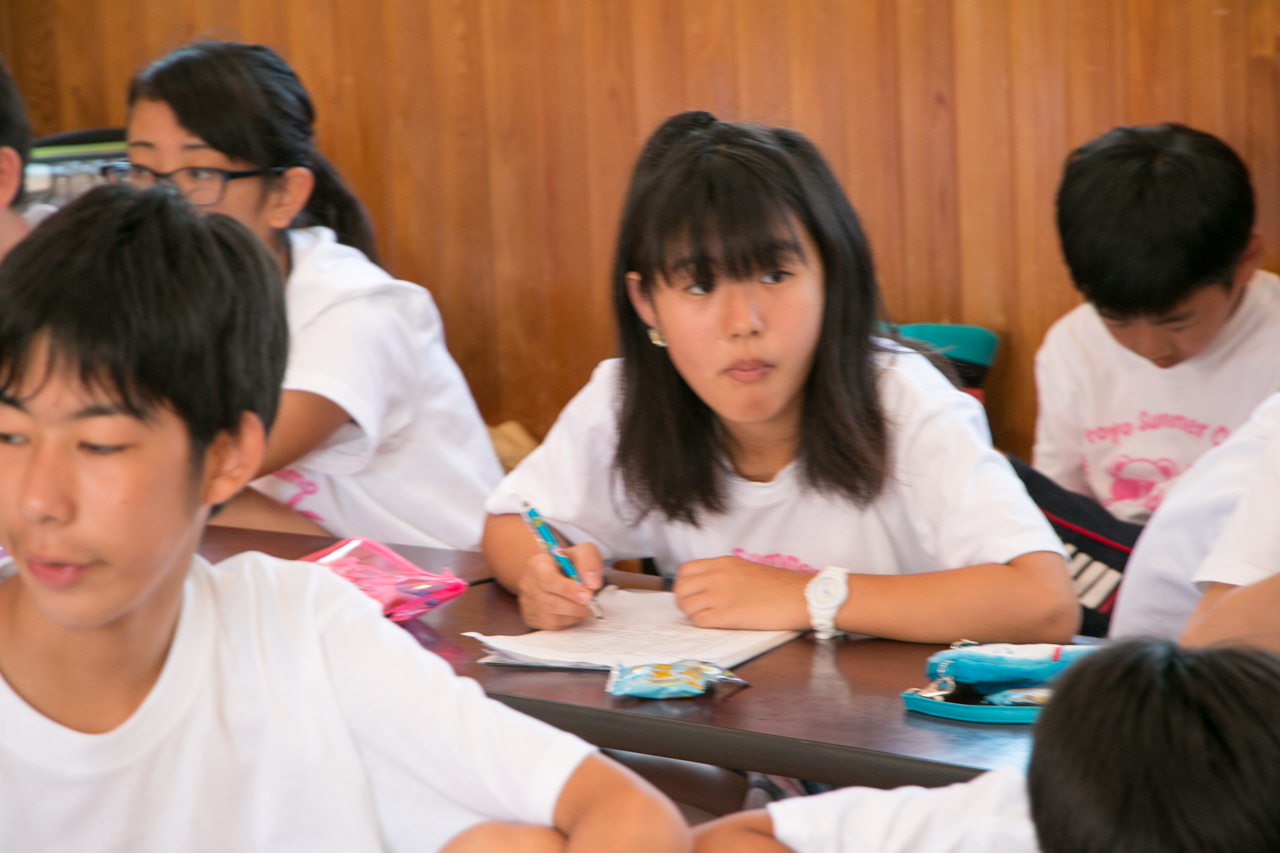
(656, 338)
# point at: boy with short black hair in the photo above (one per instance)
(151, 701)
(1145, 746)
(15, 146)
(1176, 345)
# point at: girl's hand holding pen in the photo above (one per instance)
(550, 600)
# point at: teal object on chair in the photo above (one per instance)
(973, 344)
(971, 349)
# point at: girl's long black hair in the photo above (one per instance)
(245, 101)
(727, 196)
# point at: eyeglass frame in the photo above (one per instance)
(109, 170)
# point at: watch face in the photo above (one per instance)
(824, 592)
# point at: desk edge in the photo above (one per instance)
(784, 756)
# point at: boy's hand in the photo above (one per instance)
(730, 592)
(550, 600)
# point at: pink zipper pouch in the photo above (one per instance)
(404, 590)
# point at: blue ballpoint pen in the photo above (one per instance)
(547, 540)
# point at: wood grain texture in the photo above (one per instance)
(492, 139)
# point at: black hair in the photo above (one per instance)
(731, 198)
(245, 101)
(1151, 748)
(153, 303)
(1149, 214)
(15, 130)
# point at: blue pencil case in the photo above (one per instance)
(992, 683)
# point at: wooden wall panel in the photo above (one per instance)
(492, 139)
(985, 188)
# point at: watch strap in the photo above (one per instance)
(824, 606)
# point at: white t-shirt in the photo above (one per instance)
(1249, 548)
(950, 500)
(289, 716)
(417, 463)
(989, 814)
(1158, 595)
(1115, 427)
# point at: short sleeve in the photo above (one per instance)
(1249, 548)
(986, 815)
(364, 355)
(964, 501)
(1058, 452)
(428, 737)
(1158, 594)
(569, 478)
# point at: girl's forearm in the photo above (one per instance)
(1028, 600)
(508, 545)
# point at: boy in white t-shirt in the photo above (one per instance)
(153, 702)
(1145, 747)
(1176, 344)
(1246, 555)
(1159, 595)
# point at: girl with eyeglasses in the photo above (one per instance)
(378, 434)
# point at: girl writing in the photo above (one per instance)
(755, 425)
(377, 434)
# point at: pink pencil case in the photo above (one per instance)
(404, 590)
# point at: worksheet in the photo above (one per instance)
(639, 628)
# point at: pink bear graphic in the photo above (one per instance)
(1136, 479)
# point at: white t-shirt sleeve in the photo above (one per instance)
(1058, 452)
(363, 355)
(986, 815)
(569, 478)
(965, 503)
(1159, 594)
(424, 733)
(1249, 548)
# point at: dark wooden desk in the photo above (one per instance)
(222, 542)
(827, 711)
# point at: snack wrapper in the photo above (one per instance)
(669, 680)
(404, 590)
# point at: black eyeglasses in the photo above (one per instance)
(200, 185)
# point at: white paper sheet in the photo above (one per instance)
(639, 628)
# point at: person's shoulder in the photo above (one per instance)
(1267, 283)
(325, 272)
(1264, 294)
(316, 253)
(590, 419)
(255, 586)
(911, 385)
(1079, 329)
(606, 375)
(601, 394)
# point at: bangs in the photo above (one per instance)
(91, 362)
(719, 218)
(214, 95)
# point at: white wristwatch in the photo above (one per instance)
(824, 595)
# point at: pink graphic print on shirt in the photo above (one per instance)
(306, 487)
(1137, 479)
(778, 561)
